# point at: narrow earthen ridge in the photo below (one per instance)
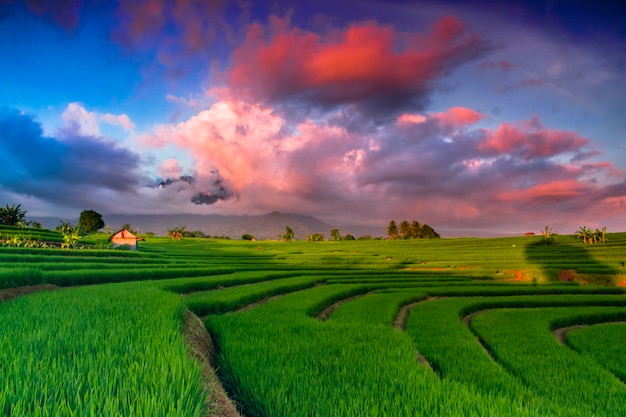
(203, 349)
(561, 333)
(467, 320)
(10, 293)
(328, 311)
(403, 314)
(400, 323)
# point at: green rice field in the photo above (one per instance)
(444, 327)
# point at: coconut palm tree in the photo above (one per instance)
(583, 233)
(392, 230)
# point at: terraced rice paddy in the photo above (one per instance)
(451, 327)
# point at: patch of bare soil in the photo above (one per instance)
(9, 293)
(203, 349)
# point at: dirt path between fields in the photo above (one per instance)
(561, 333)
(10, 293)
(399, 323)
(203, 349)
(328, 311)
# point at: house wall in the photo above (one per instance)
(132, 242)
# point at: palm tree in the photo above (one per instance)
(177, 232)
(583, 233)
(405, 229)
(603, 235)
(12, 215)
(392, 230)
(548, 236)
(416, 230)
(289, 235)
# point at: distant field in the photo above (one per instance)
(447, 327)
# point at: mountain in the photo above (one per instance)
(267, 226)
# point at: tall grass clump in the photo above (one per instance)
(97, 351)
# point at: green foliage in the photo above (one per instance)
(288, 236)
(349, 237)
(177, 232)
(90, 221)
(12, 215)
(548, 236)
(315, 237)
(248, 236)
(334, 234)
(392, 230)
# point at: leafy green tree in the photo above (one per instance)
(404, 229)
(315, 237)
(392, 230)
(415, 230)
(334, 234)
(248, 236)
(90, 221)
(288, 236)
(428, 232)
(12, 215)
(365, 237)
(349, 237)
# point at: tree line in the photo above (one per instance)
(412, 230)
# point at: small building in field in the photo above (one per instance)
(124, 237)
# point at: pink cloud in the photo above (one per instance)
(529, 140)
(363, 62)
(553, 191)
(477, 177)
(170, 168)
(456, 117)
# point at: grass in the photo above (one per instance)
(87, 350)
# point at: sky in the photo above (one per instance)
(471, 116)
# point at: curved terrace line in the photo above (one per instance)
(328, 311)
(272, 298)
(10, 293)
(203, 349)
(399, 322)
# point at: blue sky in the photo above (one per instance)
(466, 115)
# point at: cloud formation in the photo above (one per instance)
(441, 165)
(72, 169)
(367, 64)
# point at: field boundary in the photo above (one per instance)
(203, 349)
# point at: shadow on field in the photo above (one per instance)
(569, 261)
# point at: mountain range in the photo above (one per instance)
(267, 226)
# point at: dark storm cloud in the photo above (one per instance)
(69, 169)
(213, 190)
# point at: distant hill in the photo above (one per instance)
(267, 226)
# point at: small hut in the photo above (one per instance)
(124, 237)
